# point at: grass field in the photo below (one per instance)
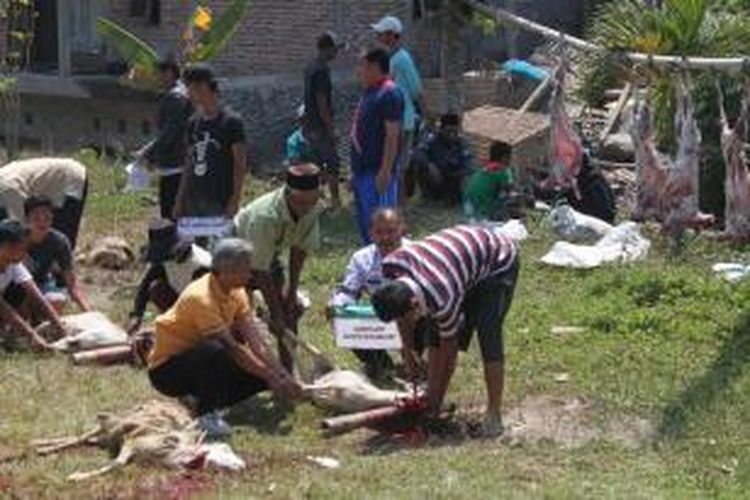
(662, 347)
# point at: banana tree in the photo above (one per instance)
(202, 39)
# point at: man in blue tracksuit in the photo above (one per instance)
(376, 139)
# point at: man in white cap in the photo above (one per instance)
(404, 72)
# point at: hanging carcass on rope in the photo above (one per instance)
(737, 183)
(679, 199)
(652, 168)
(566, 147)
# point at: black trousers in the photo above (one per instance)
(209, 373)
(169, 186)
(446, 186)
(485, 307)
(378, 362)
(67, 219)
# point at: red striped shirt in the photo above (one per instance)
(443, 267)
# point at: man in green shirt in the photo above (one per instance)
(286, 219)
(488, 190)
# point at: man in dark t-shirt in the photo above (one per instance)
(48, 253)
(216, 158)
(376, 138)
(167, 151)
(318, 127)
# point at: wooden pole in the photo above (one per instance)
(726, 64)
(612, 120)
(536, 95)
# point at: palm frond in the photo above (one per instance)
(221, 31)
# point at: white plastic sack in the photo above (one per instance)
(220, 456)
(571, 225)
(88, 331)
(513, 229)
(732, 272)
(623, 244)
(138, 178)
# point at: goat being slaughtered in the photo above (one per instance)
(339, 390)
(737, 183)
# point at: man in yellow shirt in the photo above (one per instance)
(207, 345)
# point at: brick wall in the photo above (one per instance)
(277, 36)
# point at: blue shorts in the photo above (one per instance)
(367, 199)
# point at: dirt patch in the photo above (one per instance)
(571, 422)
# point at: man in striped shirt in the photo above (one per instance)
(460, 280)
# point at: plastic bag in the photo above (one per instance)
(732, 272)
(220, 456)
(571, 225)
(138, 178)
(623, 244)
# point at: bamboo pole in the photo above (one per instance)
(726, 64)
(612, 120)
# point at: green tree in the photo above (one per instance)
(707, 28)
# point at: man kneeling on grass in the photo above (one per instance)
(463, 279)
(50, 256)
(208, 349)
(18, 293)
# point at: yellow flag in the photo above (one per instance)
(203, 18)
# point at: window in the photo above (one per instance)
(97, 124)
(146, 128)
(122, 126)
(147, 9)
(28, 119)
(81, 25)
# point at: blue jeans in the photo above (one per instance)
(367, 199)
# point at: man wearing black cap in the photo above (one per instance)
(285, 219)
(216, 164)
(173, 263)
(442, 162)
(318, 127)
(167, 151)
(17, 288)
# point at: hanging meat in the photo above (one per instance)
(679, 199)
(566, 147)
(651, 167)
(737, 183)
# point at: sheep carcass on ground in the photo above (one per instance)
(86, 331)
(158, 433)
